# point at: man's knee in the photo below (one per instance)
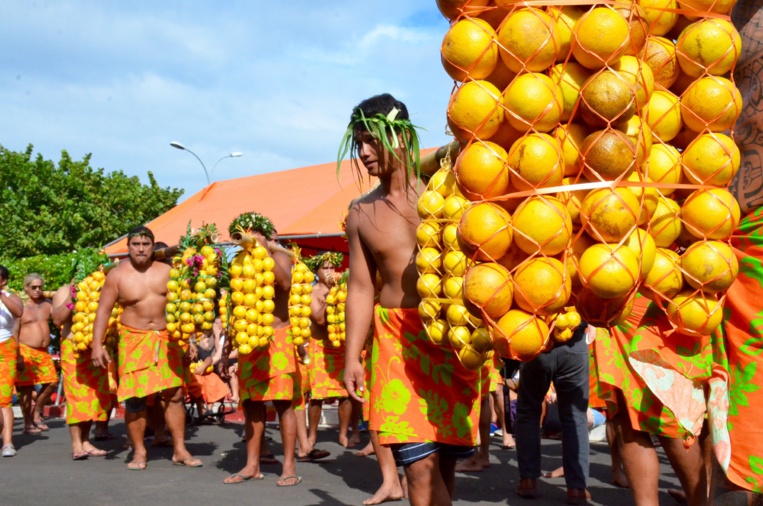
(135, 404)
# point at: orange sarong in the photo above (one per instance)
(419, 391)
(86, 386)
(38, 367)
(206, 386)
(8, 354)
(149, 362)
(271, 374)
(326, 370)
(594, 401)
(660, 374)
(736, 390)
(304, 384)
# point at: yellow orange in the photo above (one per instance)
(660, 55)
(570, 78)
(638, 74)
(716, 6)
(711, 159)
(709, 45)
(570, 137)
(474, 111)
(443, 182)
(663, 115)
(648, 196)
(428, 234)
(711, 214)
(430, 206)
(469, 50)
(452, 9)
(607, 155)
(428, 260)
(659, 15)
(602, 35)
(695, 312)
(542, 224)
(527, 335)
(487, 287)
(710, 266)
(482, 171)
(485, 232)
(429, 285)
(712, 103)
(609, 270)
(565, 18)
(665, 225)
(609, 214)
(535, 161)
(542, 286)
(665, 279)
(533, 100)
(608, 97)
(642, 245)
(529, 40)
(664, 166)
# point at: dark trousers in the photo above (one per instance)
(567, 366)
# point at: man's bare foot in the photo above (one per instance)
(508, 441)
(556, 473)
(343, 441)
(619, 479)
(386, 493)
(354, 439)
(365, 452)
(471, 465)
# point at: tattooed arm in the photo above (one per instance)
(747, 186)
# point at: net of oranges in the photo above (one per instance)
(252, 292)
(597, 155)
(299, 302)
(335, 310)
(86, 295)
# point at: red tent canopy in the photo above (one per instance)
(306, 206)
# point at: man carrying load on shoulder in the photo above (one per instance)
(148, 360)
(381, 229)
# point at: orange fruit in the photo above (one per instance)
(711, 103)
(638, 28)
(436, 330)
(542, 286)
(660, 55)
(474, 111)
(443, 182)
(659, 15)
(507, 135)
(602, 35)
(622, 316)
(665, 225)
(485, 232)
(640, 135)
(429, 205)
(639, 75)
(542, 224)
(607, 155)
(482, 171)
(452, 287)
(642, 245)
(494, 14)
(709, 45)
(428, 260)
(712, 159)
(429, 285)
(513, 257)
(469, 50)
(573, 200)
(454, 263)
(716, 6)
(580, 243)
(533, 100)
(501, 76)
(565, 18)
(711, 214)
(600, 311)
(695, 312)
(527, 335)
(570, 137)
(535, 161)
(664, 166)
(648, 196)
(663, 115)
(570, 78)
(710, 266)
(607, 98)
(449, 237)
(429, 309)
(609, 270)
(665, 277)
(609, 214)
(454, 207)
(453, 9)
(529, 40)
(488, 287)
(471, 358)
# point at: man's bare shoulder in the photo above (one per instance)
(370, 197)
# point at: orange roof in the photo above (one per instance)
(305, 205)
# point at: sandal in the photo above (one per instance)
(80, 456)
(289, 481)
(33, 430)
(137, 466)
(235, 478)
(189, 462)
(41, 426)
(315, 454)
(96, 452)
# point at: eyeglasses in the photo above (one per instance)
(37, 287)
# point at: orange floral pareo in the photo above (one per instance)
(270, 374)
(149, 362)
(419, 391)
(38, 367)
(86, 386)
(8, 352)
(326, 370)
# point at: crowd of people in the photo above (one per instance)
(682, 393)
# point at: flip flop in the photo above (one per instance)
(34, 431)
(236, 478)
(80, 456)
(96, 452)
(137, 466)
(268, 460)
(41, 426)
(189, 462)
(315, 454)
(289, 481)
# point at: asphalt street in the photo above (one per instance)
(43, 473)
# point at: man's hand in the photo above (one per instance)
(353, 380)
(100, 357)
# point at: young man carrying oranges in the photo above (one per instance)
(381, 229)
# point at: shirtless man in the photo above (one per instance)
(381, 229)
(35, 365)
(148, 361)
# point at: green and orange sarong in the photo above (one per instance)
(149, 362)
(304, 384)
(594, 401)
(206, 386)
(326, 370)
(660, 374)
(8, 354)
(38, 367)
(736, 390)
(86, 386)
(271, 374)
(419, 391)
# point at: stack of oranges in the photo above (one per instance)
(299, 302)
(86, 295)
(596, 154)
(335, 315)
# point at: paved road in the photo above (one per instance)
(42, 473)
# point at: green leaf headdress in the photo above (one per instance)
(87, 261)
(386, 129)
(252, 222)
(316, 261)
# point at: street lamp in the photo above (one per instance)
(234, 154)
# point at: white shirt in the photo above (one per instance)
(6, 323)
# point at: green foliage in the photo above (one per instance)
(254, 222)
(49, 209)
(56, 270)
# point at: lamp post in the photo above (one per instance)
(234, 154)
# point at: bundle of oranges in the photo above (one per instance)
(299, 302)
(86, 295)
(335, 315)
(597, 153)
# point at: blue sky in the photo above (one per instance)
(274, 80)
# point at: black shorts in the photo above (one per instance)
(408, 453)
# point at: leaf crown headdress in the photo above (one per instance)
(254, 222)
(316, 261)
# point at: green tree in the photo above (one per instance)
(48, 209)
